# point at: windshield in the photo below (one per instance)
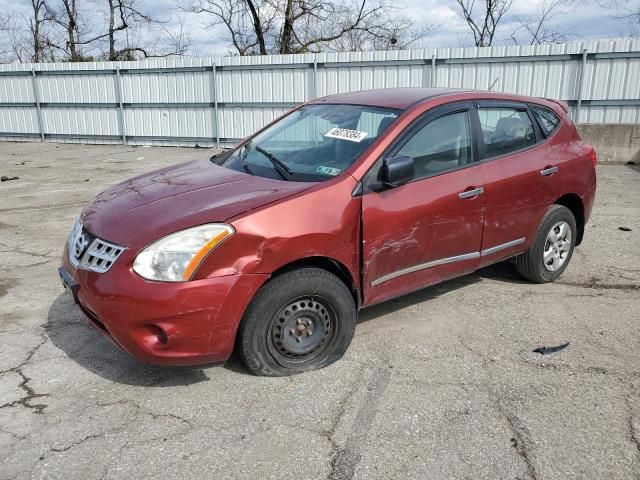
(314, 143)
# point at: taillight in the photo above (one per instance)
(593, 157)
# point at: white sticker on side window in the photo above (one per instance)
(346, 134)
(328, 170)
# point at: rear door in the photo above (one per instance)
(430, 229)
(521, 177)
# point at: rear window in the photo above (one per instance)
(505, 130)
(548, 120)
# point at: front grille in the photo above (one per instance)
(91, 253)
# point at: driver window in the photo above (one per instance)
(443, 144)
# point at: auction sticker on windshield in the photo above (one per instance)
(346, 134)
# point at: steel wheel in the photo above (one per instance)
(300, 331)
(298, 321)
(557, 246)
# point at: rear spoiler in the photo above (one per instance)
(563, 104)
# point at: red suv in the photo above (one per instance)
(273, 247)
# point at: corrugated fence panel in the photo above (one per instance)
(80, 121)
(170, 87)
(169, 122)
(219, 100)
(16, 89)
(19, 120)
(274, 85)
(239, 122)
(76, 88)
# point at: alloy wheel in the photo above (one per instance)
(557, 246)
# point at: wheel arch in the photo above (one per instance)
(329, 264)
(574, 203)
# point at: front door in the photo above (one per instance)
(430, 229)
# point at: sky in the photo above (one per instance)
(591, 19)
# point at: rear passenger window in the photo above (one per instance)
(505, 130)
(548, 120)
(442, 144)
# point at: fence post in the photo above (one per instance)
(315, 76)
(214, 93)
(36, 95)
(123, 131)
(580, 82)
(424, 68)
(433, 70)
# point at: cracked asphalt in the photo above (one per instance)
(442, 383)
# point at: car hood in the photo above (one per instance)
(138, 211)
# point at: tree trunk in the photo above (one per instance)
(35, 30)
(287, 29)
(112, 40)
(70, 7)
(257, 27)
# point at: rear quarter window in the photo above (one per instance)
(547, 119)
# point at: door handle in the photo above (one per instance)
(549, 171)
(471, 193)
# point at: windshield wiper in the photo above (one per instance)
(277, 163)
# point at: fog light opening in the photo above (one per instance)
(161, 335)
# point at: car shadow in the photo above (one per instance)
(70, 332)
(499, 272)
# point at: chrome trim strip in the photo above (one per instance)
(444, 261)
(423, 266)
(503, 246)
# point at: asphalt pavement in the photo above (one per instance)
(442, 383)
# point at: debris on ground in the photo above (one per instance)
(548, 350)
(624, 229)
(6, 179)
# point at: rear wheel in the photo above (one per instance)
(301, 320)
(552, 248)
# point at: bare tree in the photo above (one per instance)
(37, 24)
(124, 16)
(299, 26)
(309, 24)
(165, 42)
(627, 11)
(396, 32)
(483, 21)
(246, 21)
(538, 27)
(6, 30)
(66, 15)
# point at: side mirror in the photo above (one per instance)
(397, 171)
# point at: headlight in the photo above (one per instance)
(176, 257)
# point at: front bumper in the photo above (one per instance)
(186, 323)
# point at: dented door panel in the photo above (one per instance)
(421, 233)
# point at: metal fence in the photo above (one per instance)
(216, 101)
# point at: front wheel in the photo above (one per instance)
(552, 248)
(299, 321)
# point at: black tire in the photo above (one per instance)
(531, 264)
(299, 321)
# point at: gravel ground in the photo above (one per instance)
(440, 383)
